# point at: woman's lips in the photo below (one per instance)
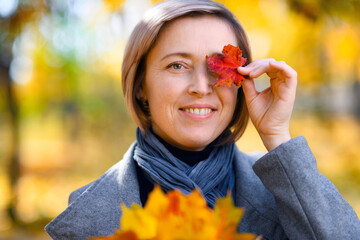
(198, 112)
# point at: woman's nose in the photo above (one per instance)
(201, 83)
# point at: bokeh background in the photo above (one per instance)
(63, 121)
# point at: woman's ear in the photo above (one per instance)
(140, 95)
(144, 104)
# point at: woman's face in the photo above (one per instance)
(186, 110)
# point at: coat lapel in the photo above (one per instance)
(261, 215)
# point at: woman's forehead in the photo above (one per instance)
(192, 34)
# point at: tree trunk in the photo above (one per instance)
(13, 123)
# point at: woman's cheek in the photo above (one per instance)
(227, 95)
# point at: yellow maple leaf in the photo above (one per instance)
(156, 203)
(228, 217)
(177, 216)
(143, 224)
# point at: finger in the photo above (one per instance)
(256, 68)
(249, 89)
(282, 66)
(282, 70)
(273, 75)
(259, 62)
(245, 70)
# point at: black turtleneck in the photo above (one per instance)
(189, 157)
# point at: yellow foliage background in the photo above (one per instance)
(72, 124)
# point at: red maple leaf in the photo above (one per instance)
(226, 66)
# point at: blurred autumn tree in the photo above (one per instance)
(336, 47)
(56, 60)
(11, 26)
(62, 115)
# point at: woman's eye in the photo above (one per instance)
(176, 66)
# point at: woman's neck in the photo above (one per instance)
(189, 157)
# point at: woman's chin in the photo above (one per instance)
(196, 142)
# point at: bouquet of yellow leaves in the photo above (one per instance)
(177, 216)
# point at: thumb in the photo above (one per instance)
(250, 92)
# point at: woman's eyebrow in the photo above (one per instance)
(186, 55)
(181, 54)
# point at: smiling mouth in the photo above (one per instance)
(198, 111)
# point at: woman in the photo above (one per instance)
(187, 129)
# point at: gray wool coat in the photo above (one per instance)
(284, 195)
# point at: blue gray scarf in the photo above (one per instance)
(213, 177)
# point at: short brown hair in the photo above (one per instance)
(142, 40)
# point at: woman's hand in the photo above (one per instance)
(270, 110)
